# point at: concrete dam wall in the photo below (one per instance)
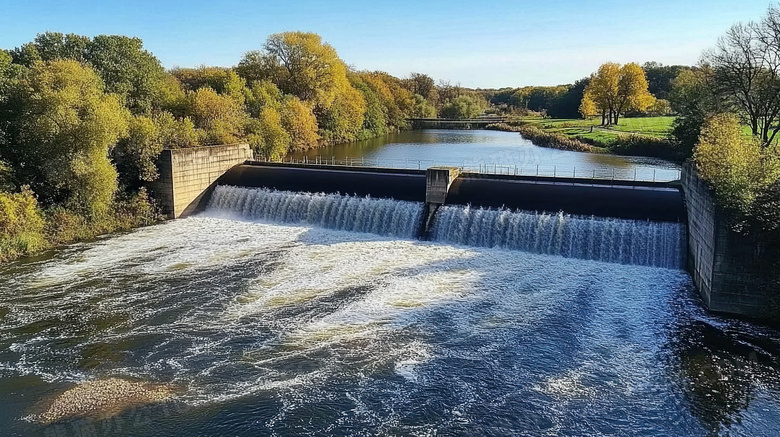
(618, 199)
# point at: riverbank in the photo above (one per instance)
(26, 229)
(642, 136)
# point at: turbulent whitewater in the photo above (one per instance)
(331, 211)
(612, 240)
(294, 329)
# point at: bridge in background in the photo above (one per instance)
(446, 123)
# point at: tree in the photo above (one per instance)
(267, 136)
(136, 154)
(424, 85)
(660, 77)
(299, 63)
(463, 107)
(614, 89)
(588, 108)
(125, 67)
(746, 66)
(219, 118)
(693, 100)
(299, 122)
(422, 108)
(58, 128)
(738, 167)
(632, 91)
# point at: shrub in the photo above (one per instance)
(743, 173)
(21, 224)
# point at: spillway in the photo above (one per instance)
(656, 244)
(331, 211)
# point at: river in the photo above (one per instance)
(300, 314)
(490, 151)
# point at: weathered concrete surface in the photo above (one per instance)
(437, 183)
(728, 268)
(187, 175)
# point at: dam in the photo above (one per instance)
(514, 213)
(288, 302)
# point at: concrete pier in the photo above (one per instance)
(438, 181)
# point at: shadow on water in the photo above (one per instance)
(726, 366)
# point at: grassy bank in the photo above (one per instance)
(643, 136)
(26, 229)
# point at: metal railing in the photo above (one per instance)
(636, 173)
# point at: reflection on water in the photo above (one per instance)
(292, 330)
(484, 148)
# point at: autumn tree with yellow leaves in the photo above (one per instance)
(615, 89)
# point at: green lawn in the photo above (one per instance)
(659, 127)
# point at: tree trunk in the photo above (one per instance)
(616, 118)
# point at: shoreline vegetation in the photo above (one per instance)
(582, 136)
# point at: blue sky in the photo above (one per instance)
(474, 43)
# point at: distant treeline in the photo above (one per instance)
(563, 101)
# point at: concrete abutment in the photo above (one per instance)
(188, 175)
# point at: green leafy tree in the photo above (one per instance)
(127, 69)
(261, 94)
(21, 224)
(58, 128)
(135, 155)
(660, 77)
(219, 118)
(421, 108)
(693, 100)
(424, 85)
(299, 63)
(463, 107)
(267, 136)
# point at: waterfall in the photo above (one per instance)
(333, 211)
(659, 244)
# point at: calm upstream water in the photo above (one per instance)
(304, 314)
(490, 151)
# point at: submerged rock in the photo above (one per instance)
(103, 398)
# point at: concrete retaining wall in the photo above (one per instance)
(186, 175)
(727, 267)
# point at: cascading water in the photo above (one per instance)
(613, 240)
(657, 244)
(332, 211)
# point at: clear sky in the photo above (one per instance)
(474, 43)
